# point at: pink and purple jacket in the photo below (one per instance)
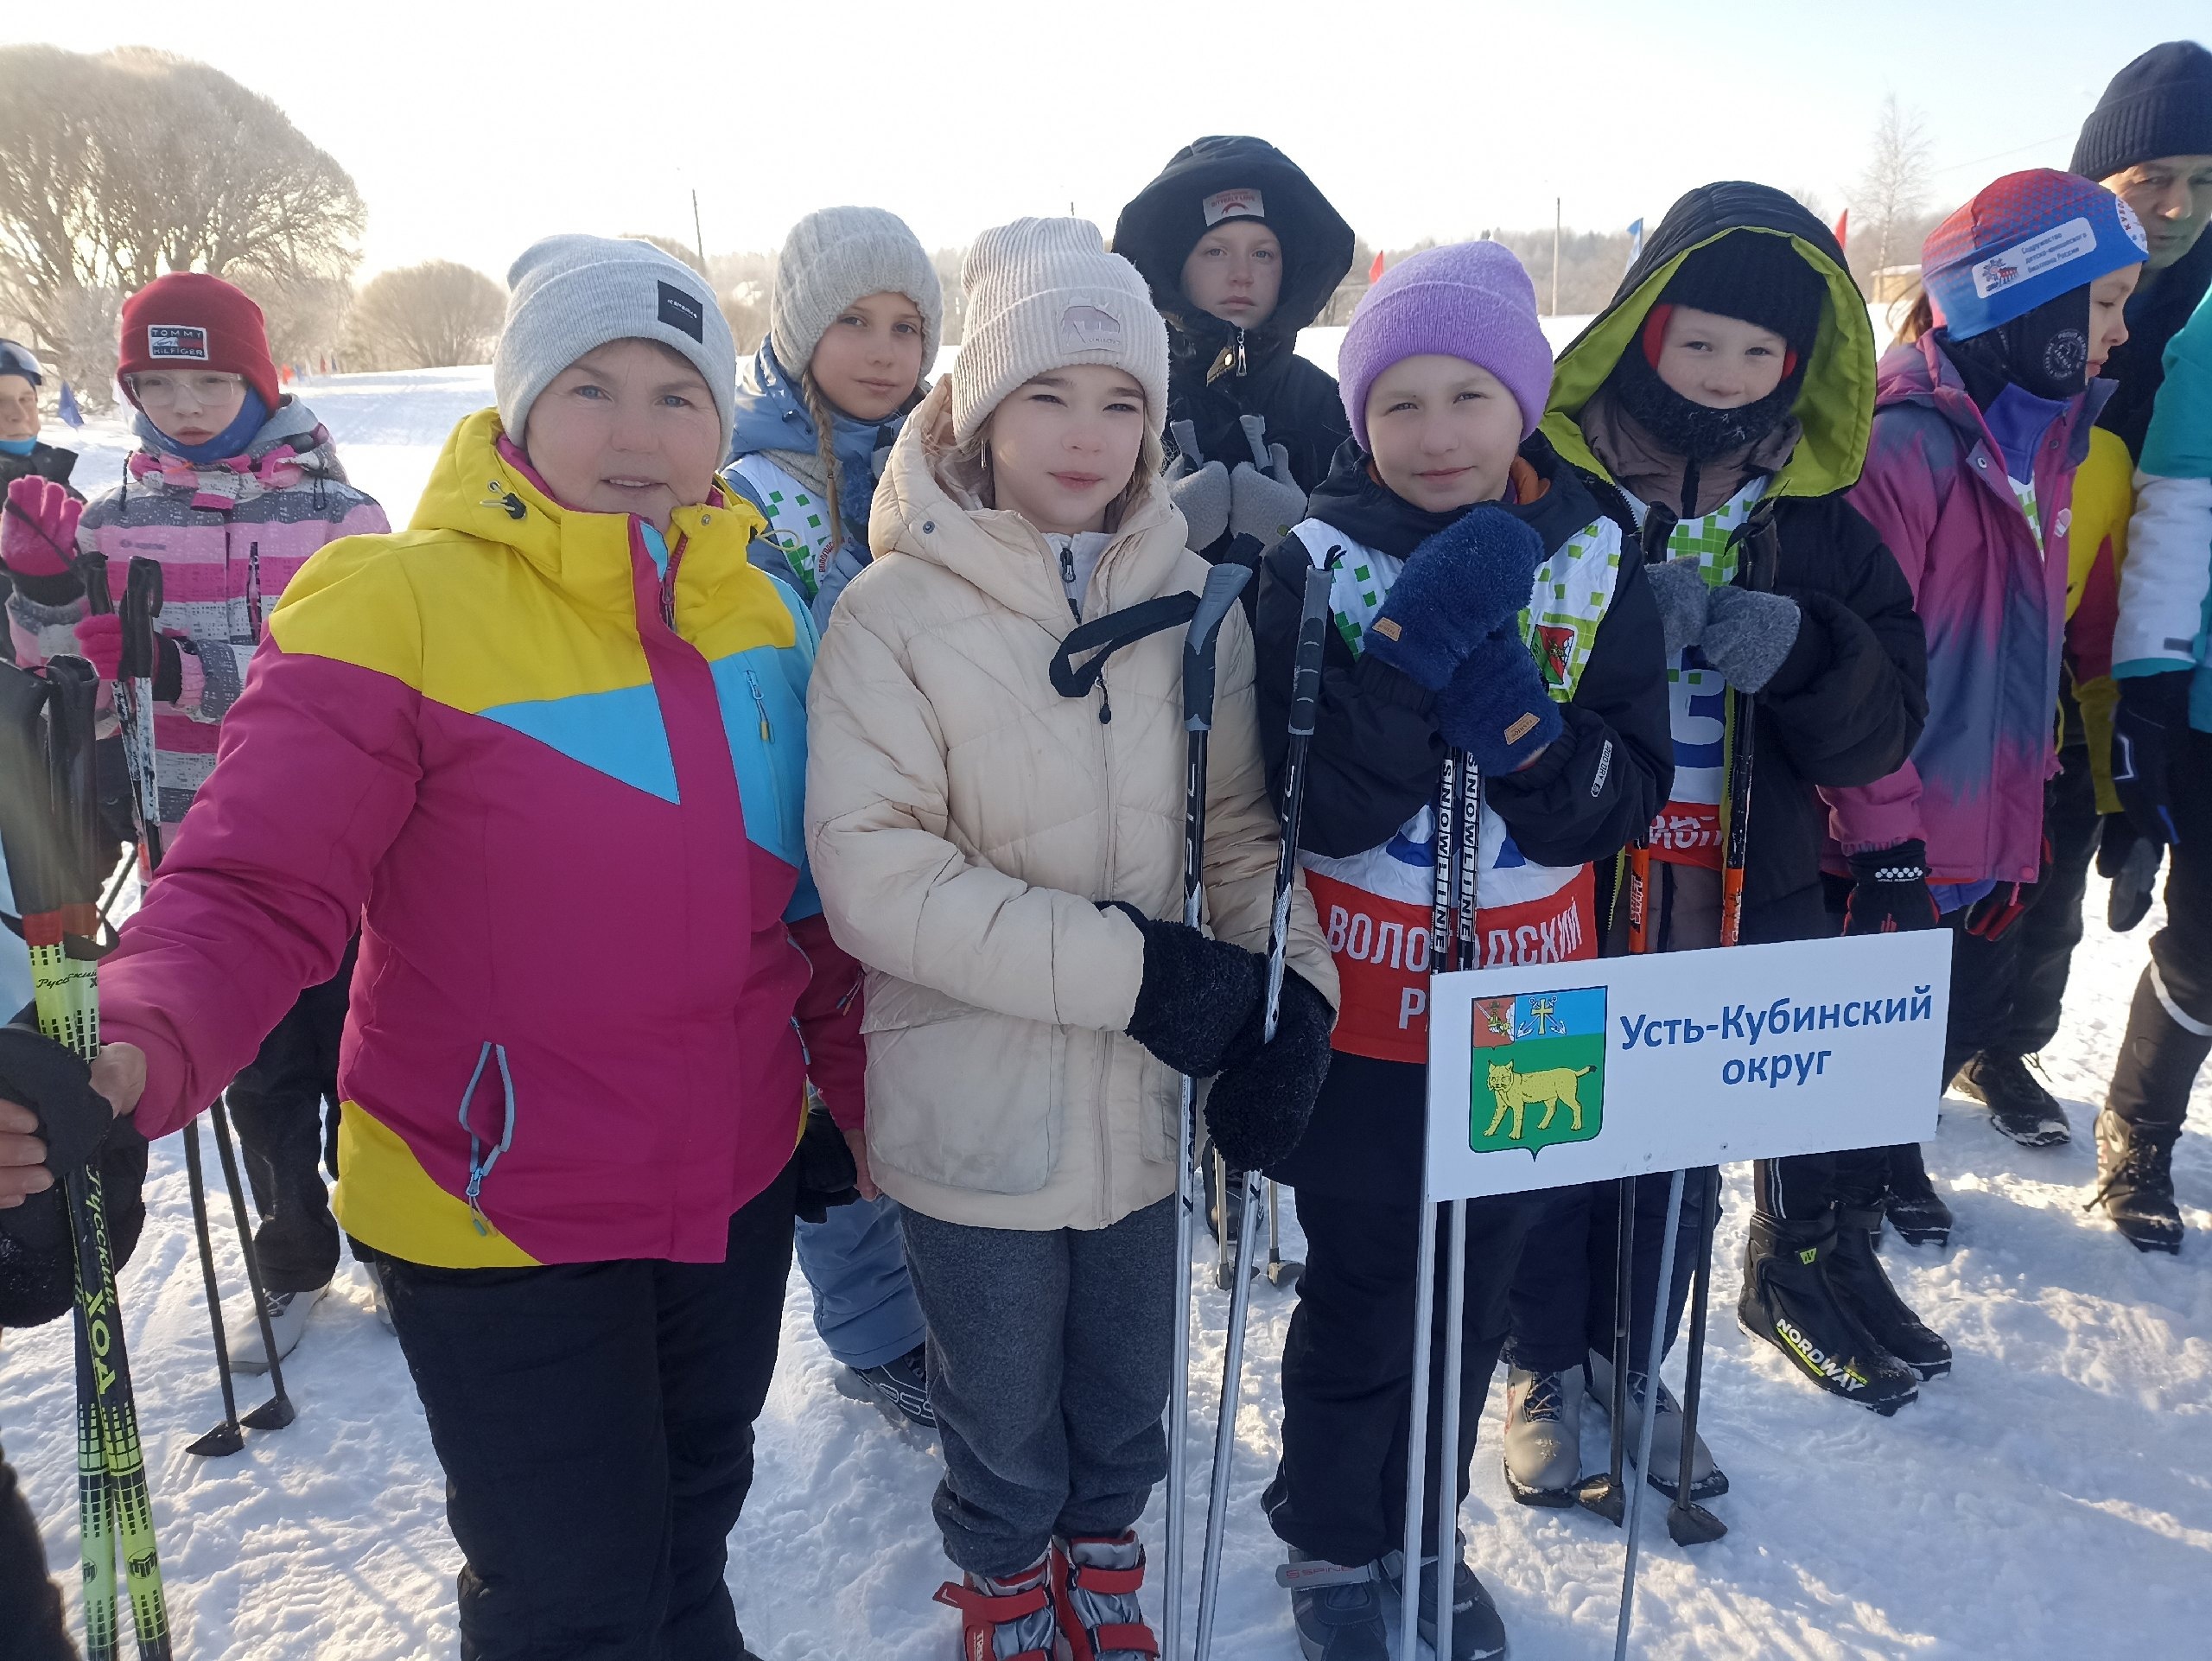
(1991, 596)
(552, 769)
(229, 536)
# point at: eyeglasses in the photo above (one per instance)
(203, 386)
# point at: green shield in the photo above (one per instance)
(1539, 1069)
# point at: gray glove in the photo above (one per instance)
(1202, 495)
(1683, 594)
(1265, 505)
(1748, 635)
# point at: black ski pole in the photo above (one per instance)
(1605, 1495)
(1223, 583)
(226, 1438)
(1305, 704)
(278, 1411)
(1688, 1522)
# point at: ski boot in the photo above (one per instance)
(1787, 1300)
(900, 1387)
(1707, 1480)
(1915, 1210)
(1543, 1436)
(2020, 1107)
(288, 1320)
(1008, 1620)
(1337, 1610)
(1094, 1582)
(1863, 1287)
(1478, 1634)
(2135, 1182)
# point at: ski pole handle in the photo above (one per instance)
(142, 603)
(92, 569)
(1312, 635)
(1223, 586)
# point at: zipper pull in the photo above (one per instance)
(253, 588)
(767, 733)
(1240, 352)
(475, 1187)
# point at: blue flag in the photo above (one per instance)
(1636, 242)
(66, 408)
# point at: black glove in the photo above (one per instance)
(2006, 903)
(1496, 708)
(1889, 891)
(1257, 1110)
(1461, 584)
(37, 1274)
(2147, 729)
(1198, 994)
(2130, 861)
(828, 1176)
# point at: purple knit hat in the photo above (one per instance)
(1472, 300)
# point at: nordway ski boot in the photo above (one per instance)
(2135, 1181)
(1543, 1436)
(1095, 1583)
(288, 1320)
(1478, 1634)
(1915, 1210)
(901, 1387)
(1008, 1620)
(2020, 1107)
(1863, 1287)
(1336, 1610)
(1707, 1480)
(1787, 1301)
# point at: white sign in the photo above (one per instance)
(1548, 1075)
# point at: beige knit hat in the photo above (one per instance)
(1043, 294)
(835, 255)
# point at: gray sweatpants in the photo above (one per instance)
(1050, 1354)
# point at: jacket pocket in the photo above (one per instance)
(969, 1100)
(1159, 1098)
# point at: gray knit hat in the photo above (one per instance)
(1043, 294)
(835, 255)
(570, 295)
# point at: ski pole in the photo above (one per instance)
(1281, 1271)
(1603, 1495)
(278, 1411)
(1223, 583)
(142, 603)
(226, 1438)
(1689, 1524)
(1654, 1351)
(1304, 702)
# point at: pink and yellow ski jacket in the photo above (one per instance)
(558, 789)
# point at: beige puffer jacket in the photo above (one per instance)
(963, 820)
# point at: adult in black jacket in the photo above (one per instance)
(1243, 361)
(1727, 393)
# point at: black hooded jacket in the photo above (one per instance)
(1847, 703)
(1206, 387)
(2139, 364)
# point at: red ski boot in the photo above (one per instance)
(1095, 1583)
(1009, 1619)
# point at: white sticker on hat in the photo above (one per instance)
(1087, 328)
(2132, 225)
(1240, 203)
(176, 341)
(2060, 246)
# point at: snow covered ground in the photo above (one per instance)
(2052, 1499)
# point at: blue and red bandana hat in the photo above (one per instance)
(2022, 241)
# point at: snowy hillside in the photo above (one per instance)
(2050, 1501)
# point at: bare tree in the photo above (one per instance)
(425, 316)
(1892, 193)
(117, 167)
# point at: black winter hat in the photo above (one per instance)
(1758, 277)
(2160, 104)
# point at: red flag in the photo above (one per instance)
(1374, 271)
(1843, 229)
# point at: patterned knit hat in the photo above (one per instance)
(1472, 300)
(835, 255)
(1043, 294)
(188, 320)
(2024, 239)
(2160, 104)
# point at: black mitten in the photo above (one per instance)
(1197, 996)
(37, 1260)
(1258, 1107)
(828, 1176)
(1889, 891)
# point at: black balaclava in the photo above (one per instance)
(2045, 352)
(1758, 277)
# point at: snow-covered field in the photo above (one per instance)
(2052, 1499)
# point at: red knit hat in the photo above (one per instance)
(190, 320)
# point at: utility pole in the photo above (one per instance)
(698, 237)
(1556, 255)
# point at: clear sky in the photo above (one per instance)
(472, 127)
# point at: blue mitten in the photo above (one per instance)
(1496, 707)
(1457, 587)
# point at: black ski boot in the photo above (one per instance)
(1478, 1632)
(2020, 1107)
(2135, 1181)
(1863, 1287)
(1787, 1300)
(1338, 1609)
(1915, 1210)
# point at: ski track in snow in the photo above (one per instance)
(2052, 1497)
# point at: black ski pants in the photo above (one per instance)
(2170, 1027)
(1562, 1304)
(287, 1133)
(30, 1603)
(2052, 926)
(1339, 1491)
(595, 1425)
